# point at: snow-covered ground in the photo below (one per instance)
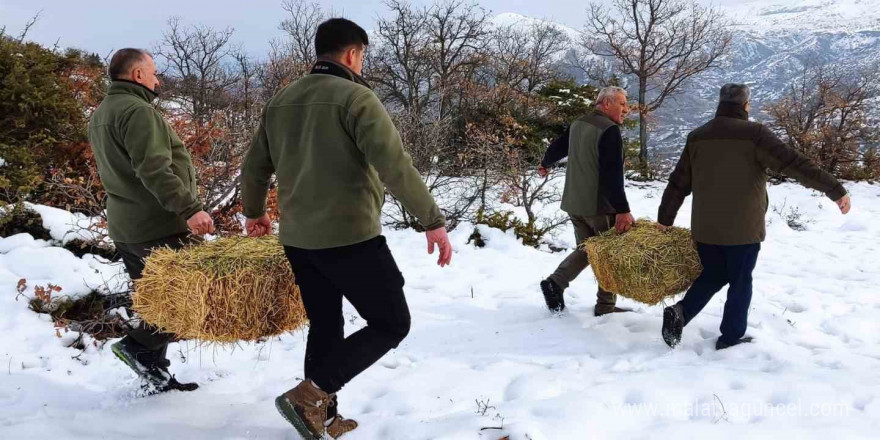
(485, 353)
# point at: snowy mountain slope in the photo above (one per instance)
(484, 353)
(773, 42)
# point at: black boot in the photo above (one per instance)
(150, 366)
(721, 345)
(553, 296)
(673, 324)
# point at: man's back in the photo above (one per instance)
(329, 141)
(146, 170)
(729, 184)
(723, 164)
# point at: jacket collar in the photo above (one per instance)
(731, 110)
(126, 87)
(601, 114)
(325, 66)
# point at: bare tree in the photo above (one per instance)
(525, 57)
(825, 114)
(400, 66)
(458, 32)
(27, 26)
(424, 57)
(196, 69)
(301, 24)
(661, 43)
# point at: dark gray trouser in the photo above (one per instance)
(133, 256)
(577, 261)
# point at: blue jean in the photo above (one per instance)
(724, 265)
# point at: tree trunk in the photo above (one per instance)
(643, 127)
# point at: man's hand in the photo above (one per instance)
(438, 236)
(661, 228)
(543, 171)
(258, 227)
(623, 222)
(844, 204)
(200, 223)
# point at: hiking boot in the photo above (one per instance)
(150, 366)
(336, 424)
(721, 345)
(600, 311)
(305, 407)
(553, 296)
(673, 324)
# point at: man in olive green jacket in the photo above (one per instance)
(594, 195)
(151, 193)
(724, 164)
(334, 149)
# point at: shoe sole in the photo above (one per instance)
(127, 360)
(289, 413)
(671, 328)
(131, 363)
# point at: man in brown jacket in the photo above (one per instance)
(724, 164)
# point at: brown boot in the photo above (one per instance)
(604, 310)
(338, 425)
(305, 407)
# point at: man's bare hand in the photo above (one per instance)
(200, 223)
(623, 222)
(258, 227)
(844, 204)
(662, 228)
(438, 237)
(543, 172)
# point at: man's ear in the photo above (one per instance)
(137, 72)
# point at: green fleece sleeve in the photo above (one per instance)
(376, 136)
(256, 174)
(148, 143)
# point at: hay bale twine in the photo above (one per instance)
(228, 290)
(644, 264)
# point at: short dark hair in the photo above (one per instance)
(735, 93)
(337, 34)
(123, 60)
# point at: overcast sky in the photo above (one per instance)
(102, 25)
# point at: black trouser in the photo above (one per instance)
(367, 276)
(724, 265)
(133, 255)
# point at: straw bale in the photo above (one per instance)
(228, 290)
(644, 264)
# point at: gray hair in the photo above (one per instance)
(735, 93)
(609, 93)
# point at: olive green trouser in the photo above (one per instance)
(577, 261)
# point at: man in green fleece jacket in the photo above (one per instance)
(334, 150)
(151, 193)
